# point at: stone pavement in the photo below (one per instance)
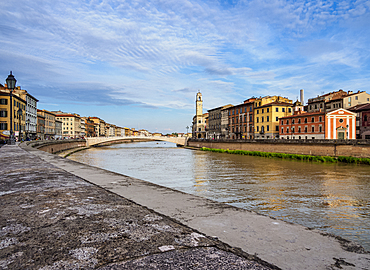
(52, 219)
(285, 245)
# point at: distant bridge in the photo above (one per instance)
(101, 140)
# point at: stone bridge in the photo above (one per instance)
(100, 140)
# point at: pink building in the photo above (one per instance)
(340, 124)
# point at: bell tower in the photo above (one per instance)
(199, 105)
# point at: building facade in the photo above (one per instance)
(215, 128)
(200, 119)
(267, 111)
(241, 120)
(362, 121)
(303, 125)
(49, 132)
(17, 116)
(340, 124)
(71, 124)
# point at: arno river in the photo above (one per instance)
(333, 198)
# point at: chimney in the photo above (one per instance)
(302, 97)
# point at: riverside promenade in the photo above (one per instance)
(60, 214)
(52, 219)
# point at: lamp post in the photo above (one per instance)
(28, 128)
(10, 83)
(19, 112)
(187, 130)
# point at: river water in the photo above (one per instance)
(334, 198)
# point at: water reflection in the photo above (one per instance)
(330, 197)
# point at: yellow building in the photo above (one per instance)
(267, 111)
(18, 115)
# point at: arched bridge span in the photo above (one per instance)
(100, 140)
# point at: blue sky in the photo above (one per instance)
(140, 63)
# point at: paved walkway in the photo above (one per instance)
(98, 219)
(52, 219)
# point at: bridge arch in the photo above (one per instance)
(91, 141)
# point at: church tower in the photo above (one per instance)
(199, 105)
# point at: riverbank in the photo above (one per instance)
(332, 148)
(282, 244)
(52, 219)
(329, 159)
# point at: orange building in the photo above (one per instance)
(340, 124)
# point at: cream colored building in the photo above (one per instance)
(354, 99)
(71, 124)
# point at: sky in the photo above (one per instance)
(140, 63)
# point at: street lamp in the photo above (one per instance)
(10, 83)
(19, 112)
(187, 130)
(28, 128)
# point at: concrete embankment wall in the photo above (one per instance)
(57, 146)
(316, 148)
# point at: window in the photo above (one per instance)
(305, 120)
(299, 120)
(287, 122)
(277, 119)
(267, 128)
(257, 128)
(313, 119)
(3, 114)
(268, 118)
(320, 119)
(282, 130)
(258, 111)
(320, 128)
(250, 108)
(277, 109)
(299, 129)
(340, 120)
(282, 122)
(3, 101)
(262, 119)
(250, 118)
(292, 121)
(3, 126)
(263, 110)
(305, 129)
(237, 111)
(313, 129)
(289, 109)
(268, 110)
(283, 109)
(287, 130)
(356, 97)
(257, 120)
(277, 128)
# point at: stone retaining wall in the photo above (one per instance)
(57, 146)
(316, 148)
